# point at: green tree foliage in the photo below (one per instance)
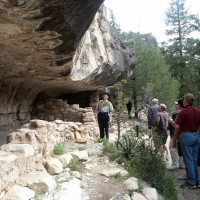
(193, 67)
(113, 22)
(119, 101)
(151, 77)
(181, 51)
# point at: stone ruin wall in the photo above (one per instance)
(29, 149)
(58, 109)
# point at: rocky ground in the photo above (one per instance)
(90, 176)
(96, 179)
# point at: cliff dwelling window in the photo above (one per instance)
(81, 98)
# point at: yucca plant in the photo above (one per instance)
(127, 146)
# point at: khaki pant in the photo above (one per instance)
(159, 139)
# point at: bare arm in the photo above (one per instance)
(176, 134)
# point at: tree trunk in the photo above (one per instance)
(135, 102)
(118, 127)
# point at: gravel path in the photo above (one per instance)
(185, 194)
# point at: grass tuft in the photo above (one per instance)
(76, 165)
(59, 149)
(117, 175)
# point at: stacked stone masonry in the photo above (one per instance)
(30, 148)
(58, 109)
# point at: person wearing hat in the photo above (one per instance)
(105, 108)
(187, 124)
(152, 112)
(160, 129)
(176, 155)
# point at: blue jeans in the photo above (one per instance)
(190, 142)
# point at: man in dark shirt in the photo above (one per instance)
(187, 124)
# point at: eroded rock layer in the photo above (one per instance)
(46, 47)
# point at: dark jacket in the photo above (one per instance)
(170, 127)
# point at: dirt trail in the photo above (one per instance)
(185, 194)
(99, 187)
(95, 185)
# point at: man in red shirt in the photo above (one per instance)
(187, 124)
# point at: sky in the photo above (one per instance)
(146, 16)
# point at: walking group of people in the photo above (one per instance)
(158, 122)
(184, 133)
(185, 138)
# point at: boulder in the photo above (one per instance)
(80, 155)
(137, 196)
(82, 141)
(2, 194)
(9, 172)
(113, 137)
(69, 190)
(18, 192)
(76, 174)
(112, 172)
(121, 196)
(36, 123)
(61, 128)
(7, 157)
(77, 135)
(58, 121)
(131, 184)
(150, 193)
(63, 177)
(24, 136)
(65, 159)
(54, 166)
(20, 150)
(75, 106)
(40, 182)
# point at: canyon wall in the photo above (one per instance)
(59, 48)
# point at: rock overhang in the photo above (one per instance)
(39, 39)
(56, 47)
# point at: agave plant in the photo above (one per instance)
(127, 146)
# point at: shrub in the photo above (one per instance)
(76, 165)
(127, 146)
(117, 175)
(108, 147)
(111, 150)
(59, 149)
(143, 162)
(148, 165)
(81, 148)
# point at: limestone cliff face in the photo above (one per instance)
(46, 48)
(101, 57)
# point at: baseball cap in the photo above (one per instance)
(163, 106)
(180, 102)
(154, 100)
